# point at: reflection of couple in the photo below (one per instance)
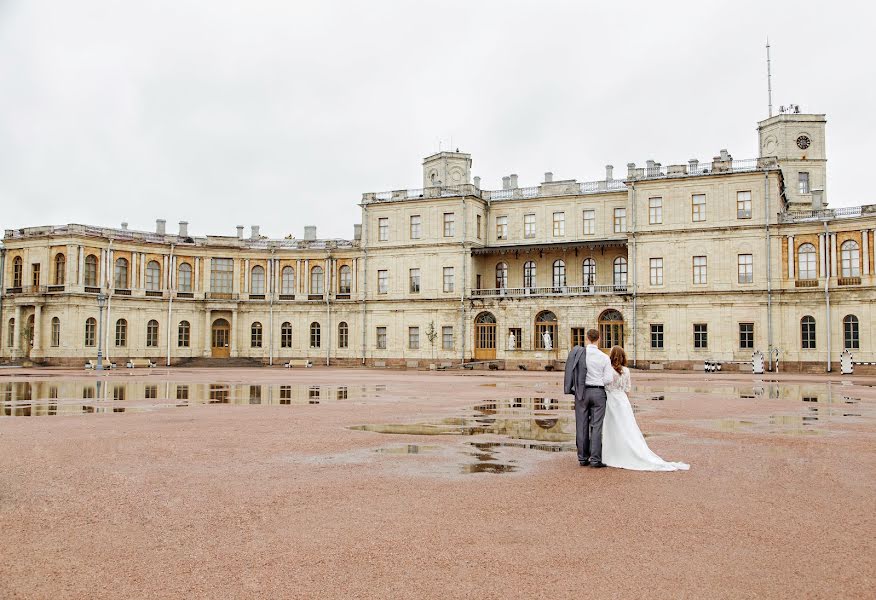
(600, 385)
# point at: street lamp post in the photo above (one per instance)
(101, 302)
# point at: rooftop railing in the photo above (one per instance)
(564, 290)
(827, 214)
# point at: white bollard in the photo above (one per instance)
(847, 367)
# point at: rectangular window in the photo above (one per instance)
(656, 268)
(803, 182)
(121, 333)
(184, 335)
(502, 228)
(343, 335)
(315, 335)
(221, 275)
(255, 336)
(448, 279)
(743, 205)
(182, 392)
(35, 274)
(851, 334)
(56, 332)
(529, 226)
(517, 332)
(184, 278)
(382, 229)
(698, 207)
(449, 224)
(152, 334)
(90, 332)
(415, 280)
(382, 281)
(447, 337)
(381, 338)
(657, 336)
(700, 272)
(478, 225)
(746, 268)
(416, 223)
(579, 336)
(746, 336)
(701, 335)
(620, 220)
(589, 222)
(655, 211)
(414, 338)
(559, 224)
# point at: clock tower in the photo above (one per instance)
(797, 141)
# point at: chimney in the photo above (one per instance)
(725, 155)
(609, 172)
(309, 233)
(513, 181)
(125, 225)
(693, 165)
(548, 177)
(160, 226)
(254, 232)
(240, 232)
(817, 199)
(183, 229)
(631, 170)
(357, 231)
(506, 183)
(477, 182)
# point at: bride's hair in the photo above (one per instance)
(618, 359)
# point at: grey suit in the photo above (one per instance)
(589, 407)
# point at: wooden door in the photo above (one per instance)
(220, 339)
(485, 337)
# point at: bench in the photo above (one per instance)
(92, 364)
(139, 363)
(299, 362)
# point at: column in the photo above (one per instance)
(37, 327)
(110, 265)
(791, 257)
(101, 269)
(306, 276)
(235, 275)
(142, 270)
(865, 248)
(165, 260)
(297, 282)
(135, 271)
(246, 276)
(81, 268)
(171, 274)
(206, 276)
(196, 285)
(833, 255)
(16, 332)
(234, 333)
(354, 285)
(207, 324)
(71, 264)
(822, 259)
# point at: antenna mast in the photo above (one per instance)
(769, 79)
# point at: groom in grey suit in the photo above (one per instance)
(588, 371)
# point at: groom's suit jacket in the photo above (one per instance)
(576, 372)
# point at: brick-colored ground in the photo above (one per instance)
(267, 501)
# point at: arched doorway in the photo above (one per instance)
(485, 337)
(611, 329)
(220, 339)
(545, 324)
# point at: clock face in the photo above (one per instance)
(803, 142)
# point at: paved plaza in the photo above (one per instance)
(358, 483)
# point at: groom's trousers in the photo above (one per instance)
(589, 414)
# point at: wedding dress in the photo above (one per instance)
(623, 444)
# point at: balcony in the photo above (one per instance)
(185, 295)
(14, 290)
(221, 296)
(122, 291)
(154, 294)
(849, 281)
(256, 296)
(55, 289)
(92, 289)
(568, 290)
(806, 283)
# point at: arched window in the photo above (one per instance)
(56, 332)
(10, 334)
(16, 271)
(345, 280)
(121, 333)
(611, 329)
(257, 280)
(501, 276)
(314, 335)
(153, 276)
(60, 267)
(316, 280)
(90, 331)
(620, 272)
(529, 274)
(255, 335)
(559, 274)
(152, 334)
(851, 337)
(286, 335)
(343, 335)
(184, 277)
(851, 259)
(121, 276)
(288, 283)
(807, 333)
(806, 262)
(184, 335)
(588, 272)
(545, 323)
(90, 278)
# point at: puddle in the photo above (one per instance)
(408, 449)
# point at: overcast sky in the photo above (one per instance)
(282, 113)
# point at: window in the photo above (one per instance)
(10, 334)
(559, 274)
(620, 271)
(382, 281)
(701, 335)
(221, 275)
(91, 270)
(517, 332)
(184, 335)
(414, 275)
(317, 278)
(345, 279)
(416, 225)
(746, 336)
(655, 211)
(150, 392)
(449, 224)
(60, 266)
(184, 277)
(745, 268)
(153, 276)
(90, 331)
(657, 336)
(851, 337)
(56, 332)
(620, 220)
(35, 274)
(478, 225)
(700, 273)
(850, 259)
(448, 279)
(588, 271)
(803, 182)
(806, 262)
(502, 275)
(381, 338)
(287, 285)
(656, 270)
(447, 337)
(121, 333)
(579, 336)
(502, 228)
(315, 335)
(152, 334)
(545, 325)
(121, 275)
(257, 280)
(343, 335)
(529, 274)
(255, 335)
(286, 335)
(529, 226)
(414, 338)
(17, 269)
(182, 392)
(807, 333)
(559, 224)
(743, 205)
(698, 207)
(589, 222)
(382, 229)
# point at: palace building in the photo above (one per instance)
(680, 264)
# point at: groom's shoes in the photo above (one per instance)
(598, 465)
(584, 464)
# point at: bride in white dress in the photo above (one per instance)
(623, 444)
